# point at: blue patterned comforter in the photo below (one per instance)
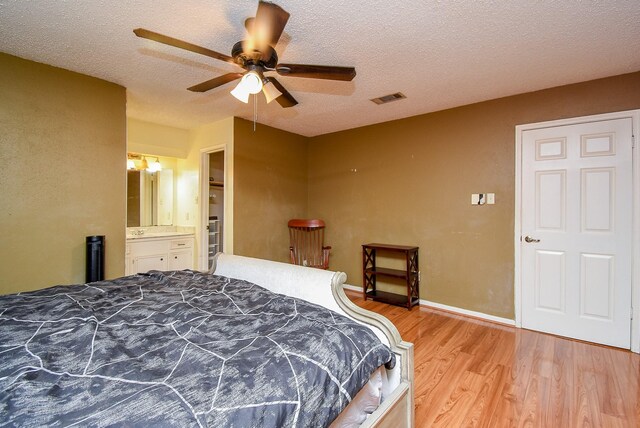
(179, 348)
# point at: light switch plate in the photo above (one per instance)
(478, 199)
(483, 198)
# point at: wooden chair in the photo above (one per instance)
(307, 247)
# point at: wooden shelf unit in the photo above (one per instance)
(411, 275)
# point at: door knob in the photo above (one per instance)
(530, 239)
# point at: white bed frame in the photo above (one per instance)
(325, 288)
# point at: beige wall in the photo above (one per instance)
(216, 134)
(410, 181)
(270, 173)
(62, 173)
(157, 139)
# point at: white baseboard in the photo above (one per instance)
(453, 309)
(352, 287)
(467, 312)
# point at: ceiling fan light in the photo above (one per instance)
(270, 92)
(241, 93)
(252, 82)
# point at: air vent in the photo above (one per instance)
(388, 98)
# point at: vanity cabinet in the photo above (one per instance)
(159, 253)
(181, 254)
(146, 263)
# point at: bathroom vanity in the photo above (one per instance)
(159, 251)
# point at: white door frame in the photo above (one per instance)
(227, 225)
(635, 281)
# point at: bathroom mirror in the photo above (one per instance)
(149, 198)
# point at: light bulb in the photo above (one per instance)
(155, 166)
(252, 82)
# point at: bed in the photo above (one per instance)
(187, 348)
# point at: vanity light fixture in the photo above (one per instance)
(140, 163)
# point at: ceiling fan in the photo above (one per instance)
(256, 56)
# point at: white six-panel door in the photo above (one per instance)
(576, 222)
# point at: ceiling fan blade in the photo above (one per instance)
(215, 82)
(268, 25)
(286, 99)
(316, 71)
(248, 24)
(161, 38)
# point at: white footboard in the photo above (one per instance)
(325, 288)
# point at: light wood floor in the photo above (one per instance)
(474, 373)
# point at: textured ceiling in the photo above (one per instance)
(440, 54)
